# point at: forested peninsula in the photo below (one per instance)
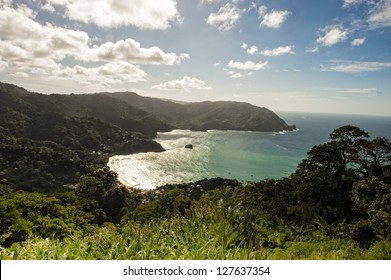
(59, 201)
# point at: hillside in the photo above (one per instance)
(48, 141)
(225, 115)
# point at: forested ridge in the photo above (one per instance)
(48, 141)
(224, 115)
(336, 205)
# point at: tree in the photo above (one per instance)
(375, 158)
(324, 179)
(169, 204)
(103, 187)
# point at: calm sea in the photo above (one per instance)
(246, 156)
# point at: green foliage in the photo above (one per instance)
(174, 202)
(324, 180)
(27, 214)
(102, 187)
(212, 231)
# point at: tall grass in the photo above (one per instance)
(209, 232)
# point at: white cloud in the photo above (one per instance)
(209, 1)
(20, 75)
(348, 3)
(131, 51)
(104, 75)
(355, 67)
(143, 14)
(27, 46)
(378, 12)
(48, 7)
(380, 15)
(225, 18)
(333, 34)
(279, 51)
(358, 42)
(250, 50)
(248, 65)
(262, 10)
(185, 84)
(274, 19)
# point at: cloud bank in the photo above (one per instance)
(185, 84)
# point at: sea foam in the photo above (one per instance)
(175, 165)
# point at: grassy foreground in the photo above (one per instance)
(210, 232)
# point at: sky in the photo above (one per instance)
(331, 56)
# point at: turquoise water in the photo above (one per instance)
(246, 156)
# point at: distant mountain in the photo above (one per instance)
(224, 115)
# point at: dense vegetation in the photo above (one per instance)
(48, 141)
(336, 205)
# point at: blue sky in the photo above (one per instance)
(288, 55)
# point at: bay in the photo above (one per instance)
(245, 156)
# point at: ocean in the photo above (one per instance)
(245, 156)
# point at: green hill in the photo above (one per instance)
(224, 115)
(48, 141)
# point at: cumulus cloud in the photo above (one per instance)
(274, 19)
(104, 75)
(358, 42)
(279, 51)
(131, 51)
(20, 75)
(185, 84)
(225, 18)
(28, 44)
(355, 67)
(29, 47)
(332, 34)
(143, 14)
(248, 65)
(250, 50)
